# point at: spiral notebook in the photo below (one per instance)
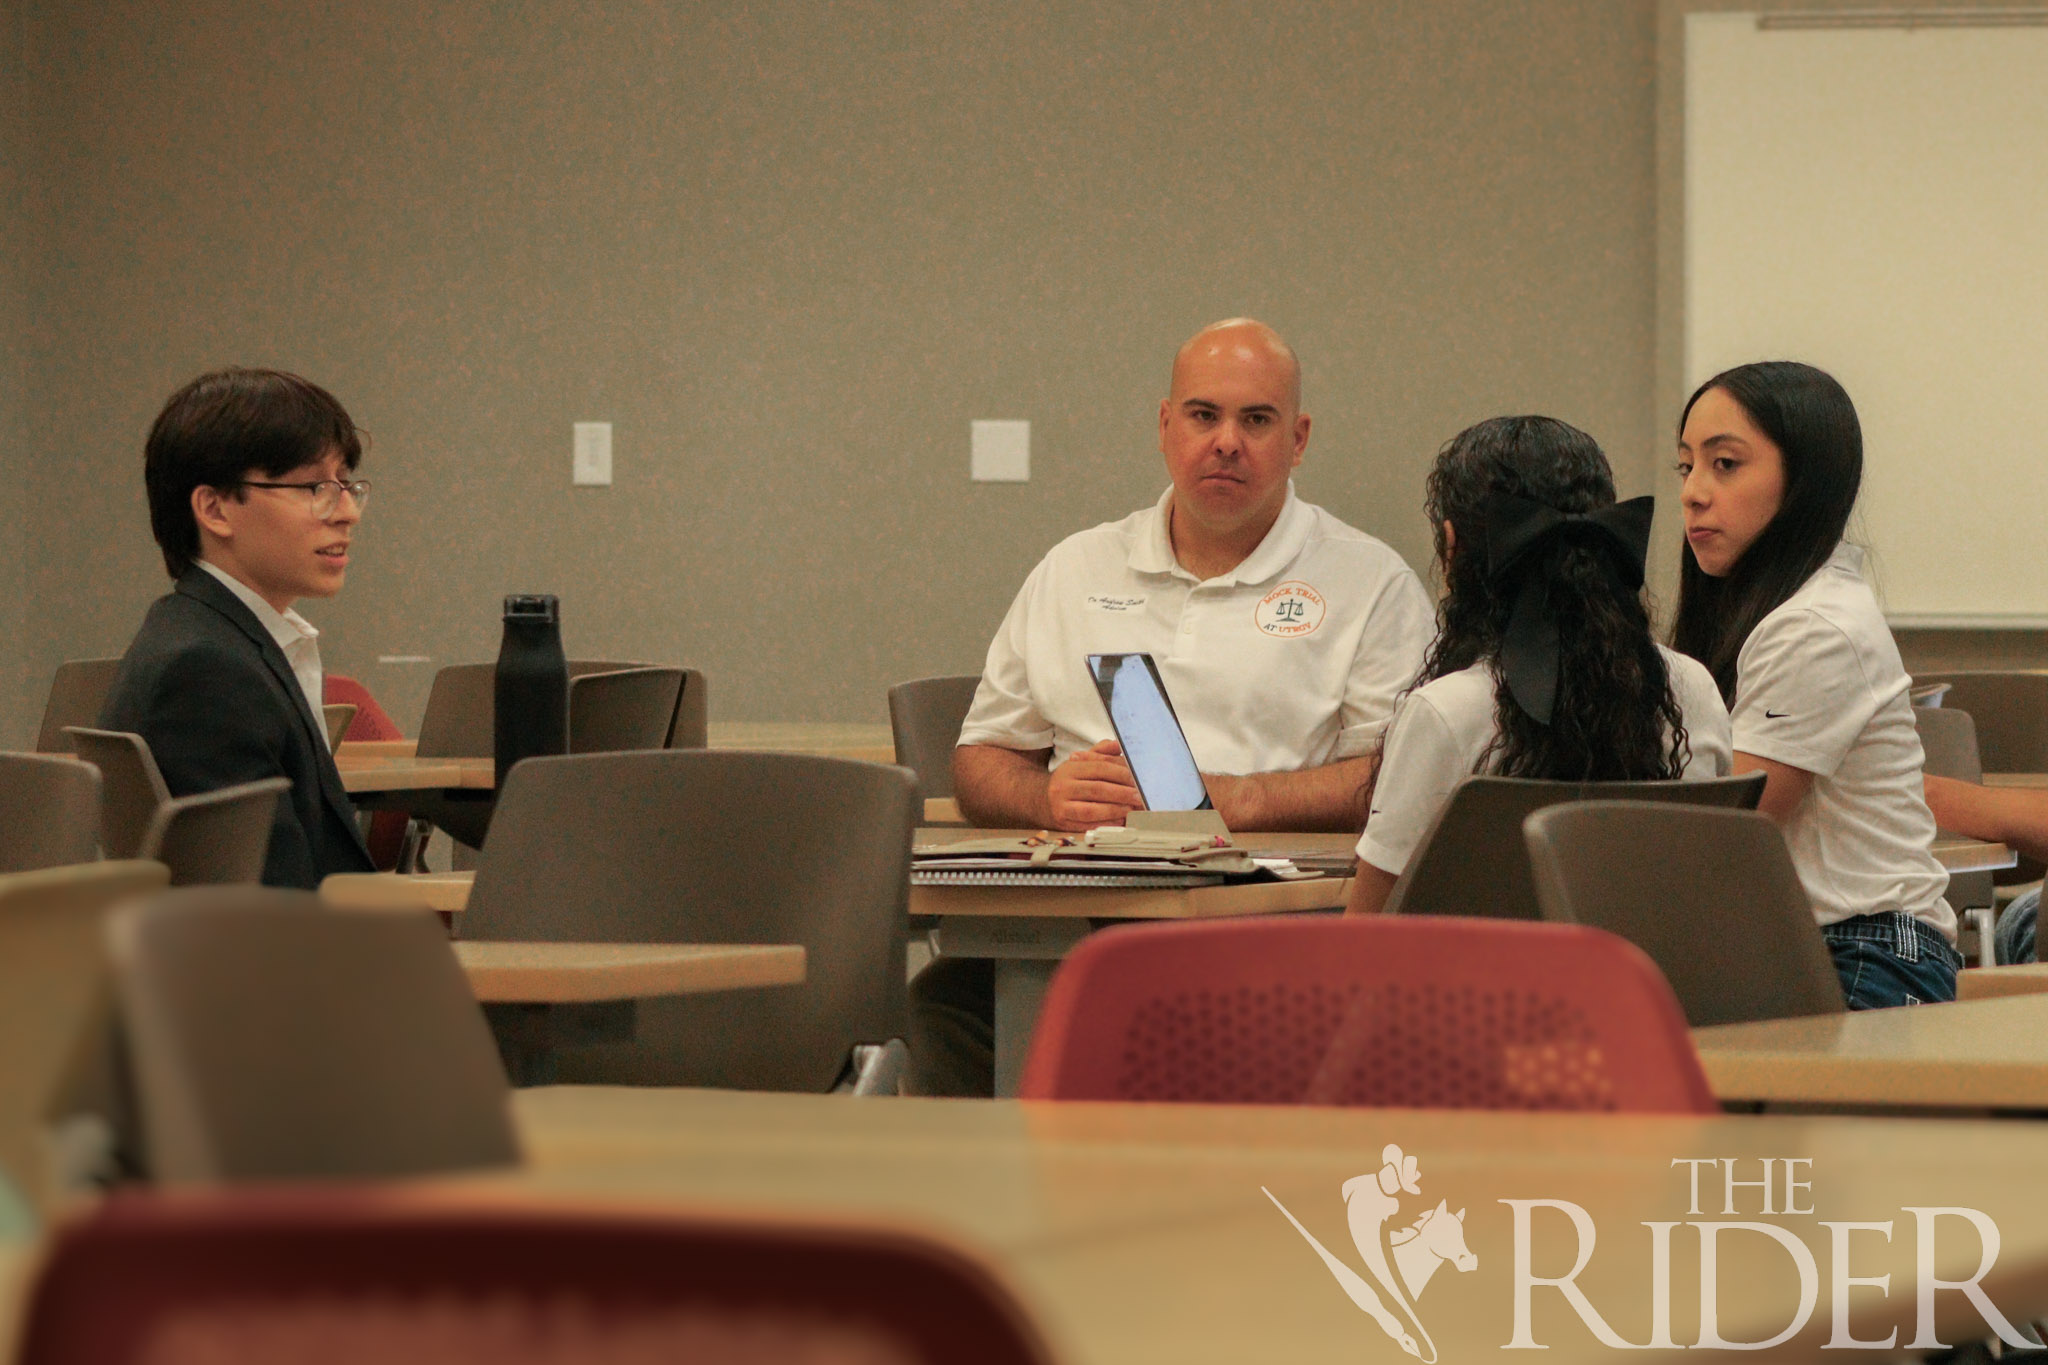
(1115, 881)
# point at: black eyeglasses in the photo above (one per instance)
(326, 494)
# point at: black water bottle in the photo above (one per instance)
(533, 683)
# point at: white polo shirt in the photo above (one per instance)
(1442, 731)
(1819, 686)
(1291, 660)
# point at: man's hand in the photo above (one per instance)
(1000, 788)
(1093, 787)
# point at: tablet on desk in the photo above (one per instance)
(1135, 697)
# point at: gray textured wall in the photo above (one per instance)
(791, 250)
(20, 695)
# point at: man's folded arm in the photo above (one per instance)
(1328, 798)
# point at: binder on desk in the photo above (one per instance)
(1115, 859)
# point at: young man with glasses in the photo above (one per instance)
(253, 499)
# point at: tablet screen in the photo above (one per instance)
(1153, 744)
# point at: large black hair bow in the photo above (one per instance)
(1517, 529)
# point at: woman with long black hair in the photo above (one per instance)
(1544, 664)
(1772, 600)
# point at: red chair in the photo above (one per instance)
(1426, 1012)
(371, 721)
(297, 1274)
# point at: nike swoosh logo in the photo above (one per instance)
(1775, 715)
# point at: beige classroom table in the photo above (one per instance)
(867, 743)
(1973, 1055)
(2014, 978)
(2023, 780)
(1025, 931)
(372, 766)
(541, 997)
(1136, 1234)
(581, 973)
(1145, 1233)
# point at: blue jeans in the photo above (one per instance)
(2015, 936)
(1891, 959)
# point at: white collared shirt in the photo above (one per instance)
(1444, 727)
(1291, 660)
(295, 635)
(1819, 686)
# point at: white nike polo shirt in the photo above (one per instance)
(1819, 685)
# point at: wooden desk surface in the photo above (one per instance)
(1972, 855)
(448, 892)
(565, 973)
(2035, 780)
(1987, 1053)
(362, 773)
(2017, 978)
(1955, 854)
(1143, 1233)
(868, 743)
(1198, 902)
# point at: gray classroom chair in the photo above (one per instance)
(925, 715)
(271, 1039)
(131, 788)
(49, 811)
(1948, 741)
(1710, 895)
(336, 715)
(53, 1002)
(77, 693)
(621, 709)
(217, 837)
(461, 714)
(2011, 712)
(715, 847)
(1472, 861)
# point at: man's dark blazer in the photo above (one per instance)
(215, 697)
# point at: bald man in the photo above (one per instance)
(1283, 636)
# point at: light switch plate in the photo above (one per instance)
(1000, 452)
(591, 463)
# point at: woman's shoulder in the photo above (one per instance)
(1454, 691)
(1693, 686)
(1832, 617)
(1835, 596)
(1462, 703)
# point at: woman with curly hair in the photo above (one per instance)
(1543, 665)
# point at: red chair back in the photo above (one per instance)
(1426, 1012)
(367, 1274)
(371, 721)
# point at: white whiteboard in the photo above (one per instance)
(1875, 202)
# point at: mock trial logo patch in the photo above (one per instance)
(1293, 608)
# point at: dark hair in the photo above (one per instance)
(1810, 419)
(224, 427)
(1615, 717)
